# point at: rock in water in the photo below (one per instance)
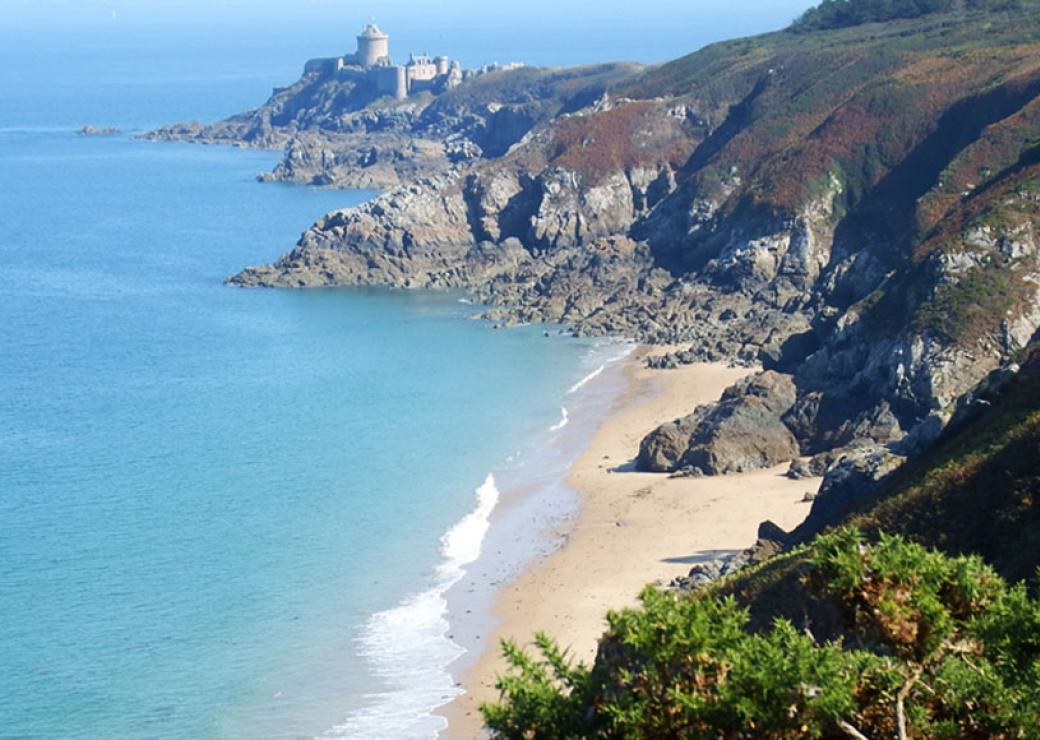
(95, 131)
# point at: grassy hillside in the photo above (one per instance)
(904, 116)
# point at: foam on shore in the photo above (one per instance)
(408, 647)
(564, 420)
(411, 647)
(627, 349)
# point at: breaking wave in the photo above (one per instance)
(407, 647)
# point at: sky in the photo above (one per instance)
(532, 31)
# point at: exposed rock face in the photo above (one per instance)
(742, 432)
(360, 161)
(847, 482)
(872, 246)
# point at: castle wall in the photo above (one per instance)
(421, 72)
(324, 66)
(390, 81)
(421, 85)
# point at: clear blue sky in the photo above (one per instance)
(533, 31)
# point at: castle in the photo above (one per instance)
(371, 63)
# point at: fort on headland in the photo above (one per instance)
(371, 64)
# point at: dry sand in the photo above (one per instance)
(633, 529)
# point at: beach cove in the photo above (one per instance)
(629, 529)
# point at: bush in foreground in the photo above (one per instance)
(934, 647)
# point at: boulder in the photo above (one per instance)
(742, 432)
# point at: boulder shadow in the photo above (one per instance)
(631, 466)
(703, 556)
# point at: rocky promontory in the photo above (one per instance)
(836, 208)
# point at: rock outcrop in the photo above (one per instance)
(742, 432)
(837, 208)
(95, 131)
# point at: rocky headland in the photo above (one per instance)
(851, 211)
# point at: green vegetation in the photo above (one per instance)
(914, 618)
(846, 13)
(907, 605)
(936, 647)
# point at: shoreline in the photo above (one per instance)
(630, 529)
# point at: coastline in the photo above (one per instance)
(629, 529)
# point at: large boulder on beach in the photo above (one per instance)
(743, 431)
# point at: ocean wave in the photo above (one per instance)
(606, 361)
(564, 419)
(407, 647)
(586, 380)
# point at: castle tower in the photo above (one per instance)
(443, 65)
(372, 46)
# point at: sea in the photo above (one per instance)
(234, 513)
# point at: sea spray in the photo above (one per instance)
(408, 647)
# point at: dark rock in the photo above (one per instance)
(770, 532)
(702, 574)
(799, 470)
(95, 131)
(742, 432)
(849, 481)
(688, 472)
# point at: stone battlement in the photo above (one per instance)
(372, 62)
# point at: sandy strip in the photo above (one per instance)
(633, 529)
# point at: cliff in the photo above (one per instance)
(334, 134)
(854, 209)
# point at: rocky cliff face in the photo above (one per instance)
(853, 210)
(335, 136)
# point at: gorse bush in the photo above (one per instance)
(844, 13)
(934, 647)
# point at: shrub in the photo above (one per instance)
(934, 646)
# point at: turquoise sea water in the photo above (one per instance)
(206, 491)
(230, 513)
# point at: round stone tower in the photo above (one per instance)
(372, 46)
(443, 65)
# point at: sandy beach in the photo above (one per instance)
(632, 529)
